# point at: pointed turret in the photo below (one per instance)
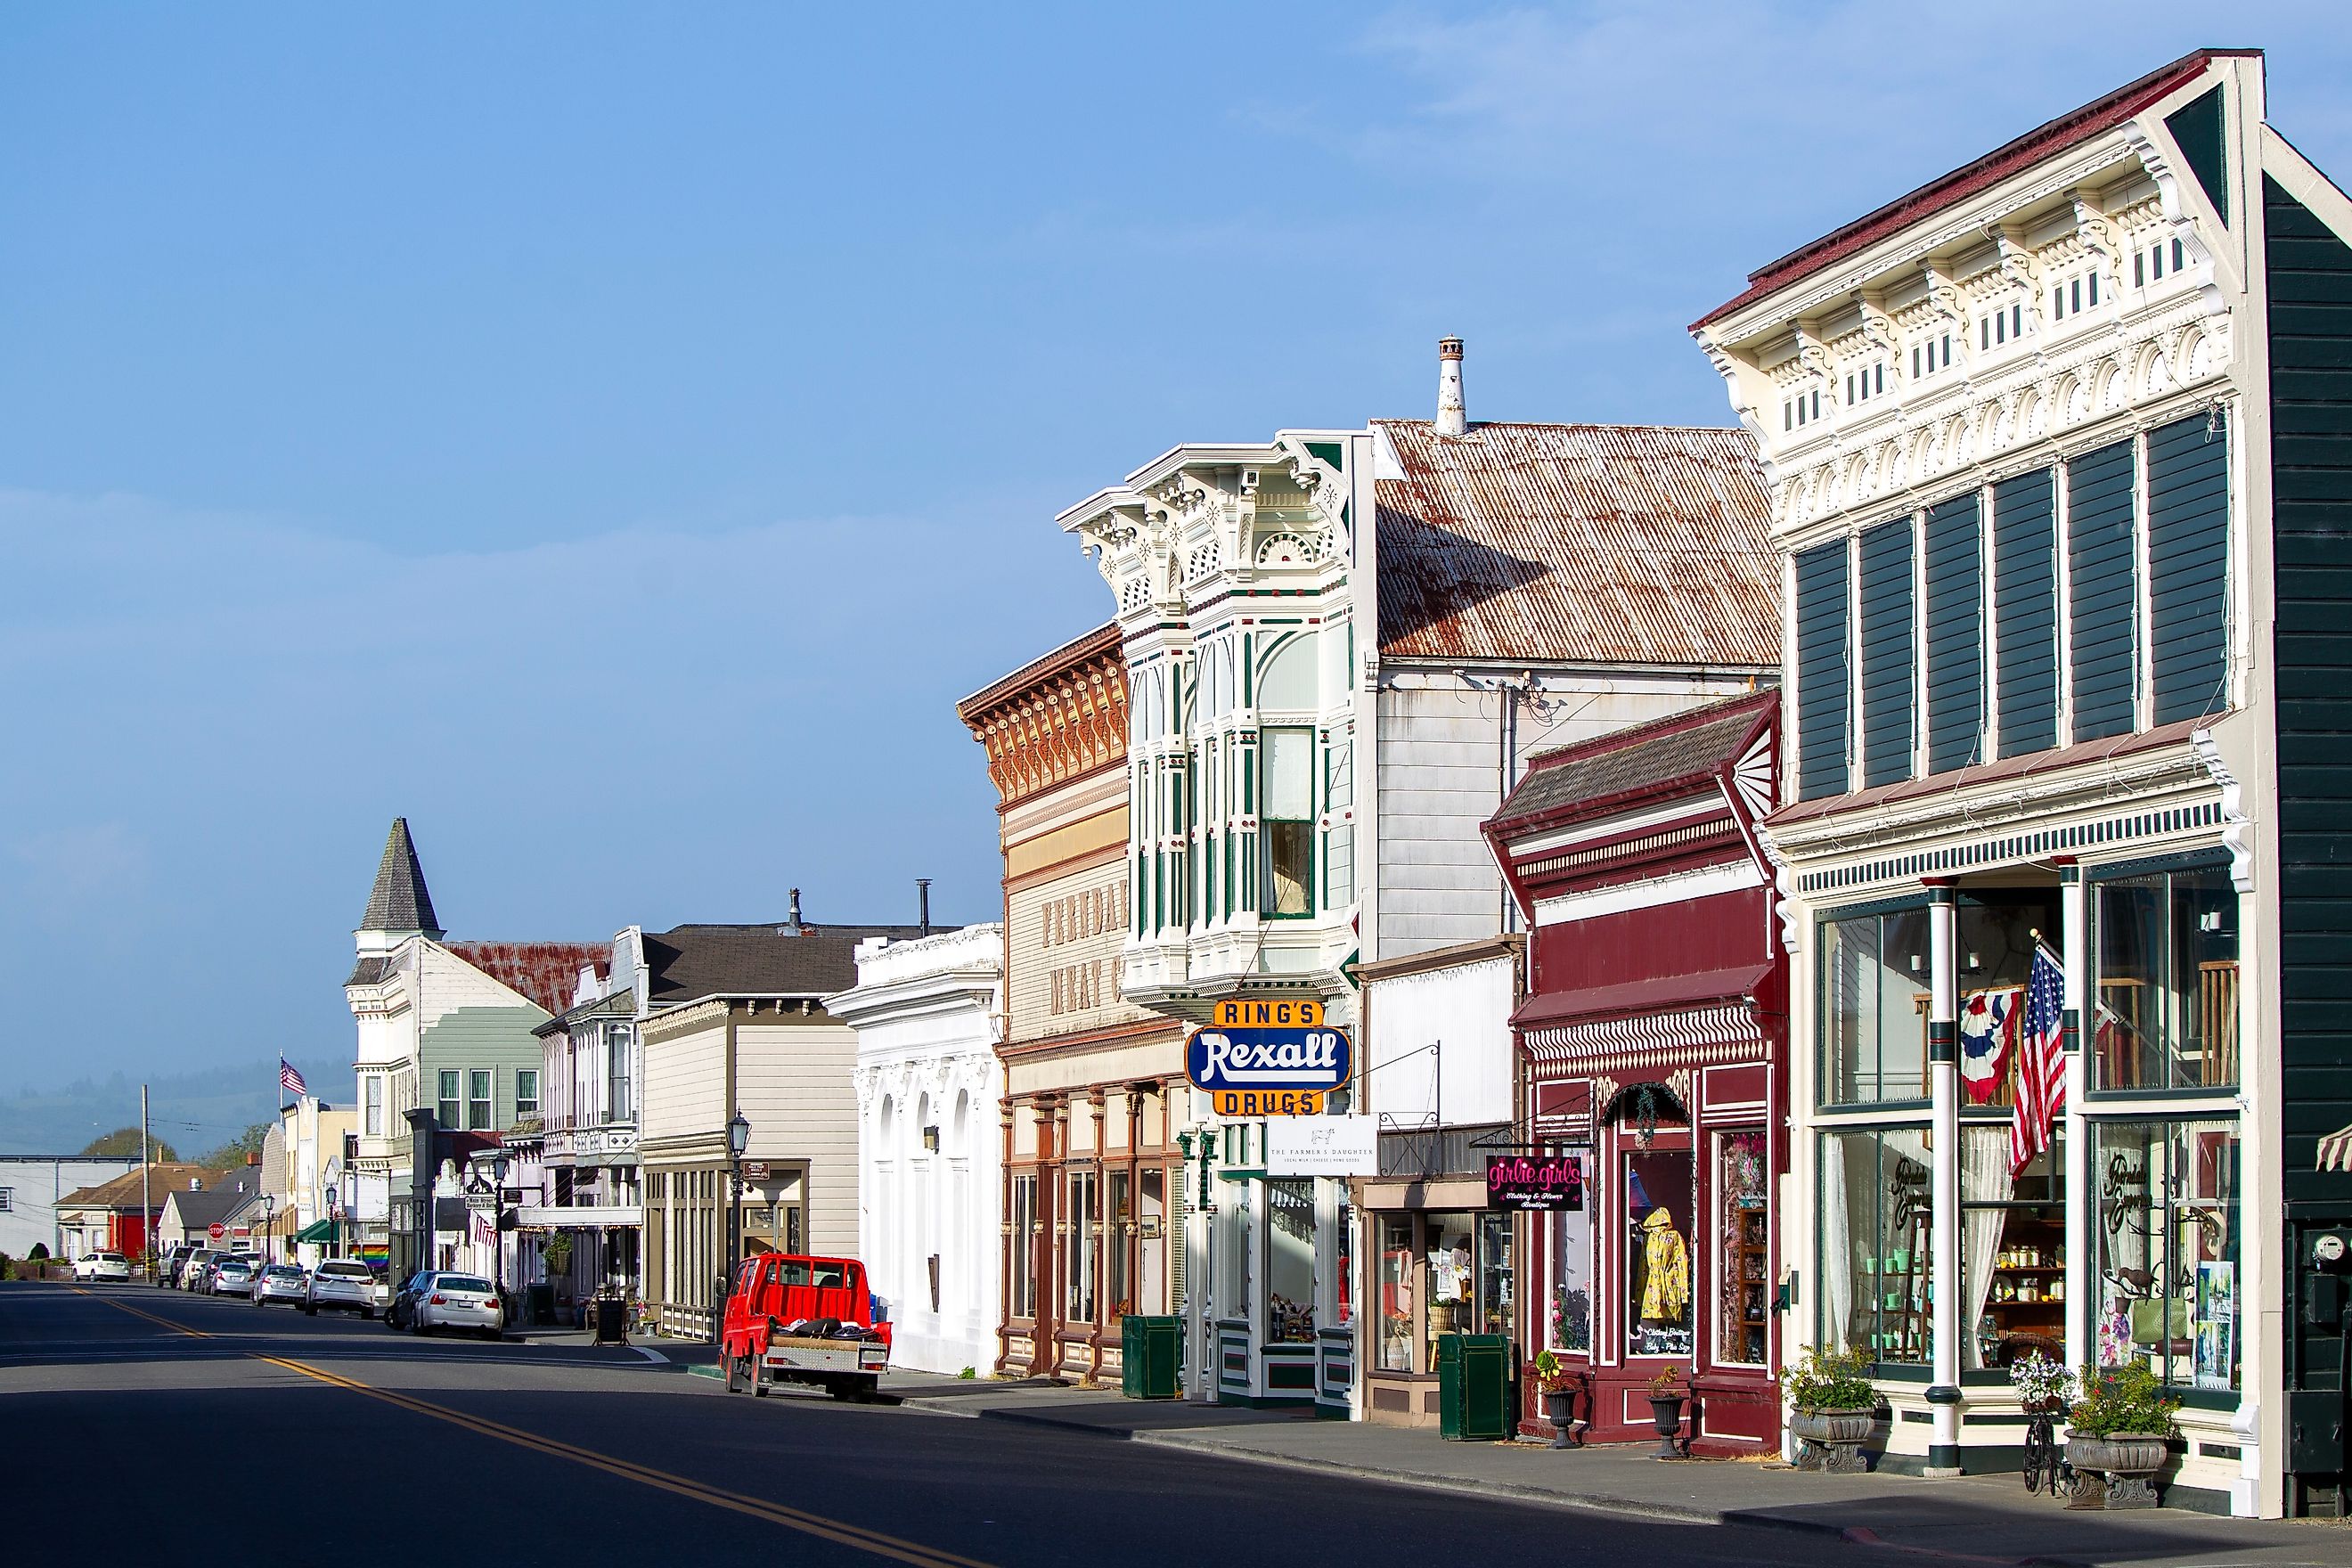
(400, 905)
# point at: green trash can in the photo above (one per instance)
(1149, 1349)
(1474, 1388)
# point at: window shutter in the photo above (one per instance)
(1887, 656)
(2187, 565)
(2025, 611)
(1954, 572)
(1821, 684)
(2103, 589)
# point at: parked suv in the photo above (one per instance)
(343, 1284)
(102, 1266)
(196, 1270)
(167, 1268)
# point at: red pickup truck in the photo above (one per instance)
(794, 1319)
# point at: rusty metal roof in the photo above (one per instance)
(546, 971)
(1577, 544)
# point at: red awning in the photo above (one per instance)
(1549, 1009)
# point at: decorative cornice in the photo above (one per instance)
(1069, 718)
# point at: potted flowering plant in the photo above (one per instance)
(1835, 1407)
(1556, 1384)
(1666, 1397)
(2120, 1429)
(2041, 1384)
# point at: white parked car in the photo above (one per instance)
(102, 1266)
(343, 1284)
(460, 1302)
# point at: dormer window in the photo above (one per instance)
(2074, 296)
(1928, 357)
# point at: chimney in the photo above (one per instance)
(792, 921)
(923, 903)
(1450, 420)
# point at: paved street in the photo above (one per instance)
(255, 1414)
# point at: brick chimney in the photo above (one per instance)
(1450, 418)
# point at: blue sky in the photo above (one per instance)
(614, 436)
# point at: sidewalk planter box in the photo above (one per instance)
(1830, 1440)
(2126, 1464)
(1476, 1393)
(1149, 1349)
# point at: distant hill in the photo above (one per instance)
(190, 1110)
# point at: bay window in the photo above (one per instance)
(1288, 821)
(1873, 1017)
(2168, 981)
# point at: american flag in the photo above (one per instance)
(289, 1080)
(2041, 1060)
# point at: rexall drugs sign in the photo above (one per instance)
(1268, 1058)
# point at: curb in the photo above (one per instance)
(1619, 1506)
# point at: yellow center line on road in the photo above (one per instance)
(832, 1529)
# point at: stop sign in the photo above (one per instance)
(215, 1230)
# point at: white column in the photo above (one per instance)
(1944, 1069)
(2082, 1266)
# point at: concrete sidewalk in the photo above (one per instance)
(1986, 1519)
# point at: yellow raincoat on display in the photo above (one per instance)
(1665, 1269)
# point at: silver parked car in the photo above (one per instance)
(280, 1282)
(343, 1284)
(459, 1301)
(233, 1274)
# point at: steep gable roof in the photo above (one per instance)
(399, 901)
(1577, 544)
(688, 963)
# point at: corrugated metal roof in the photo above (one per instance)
(1577, 544)
(546, 971)
(1686, 745)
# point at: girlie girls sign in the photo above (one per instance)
(1535, 1184)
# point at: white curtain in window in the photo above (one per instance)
(1289, 773)
(1837, 1247)
(1984, 1178)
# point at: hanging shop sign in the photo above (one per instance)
(1323, 1146)
(1268, 1058)
(1535, 1184)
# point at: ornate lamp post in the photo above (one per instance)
(499, 1221)
(269, 1236)
(738, 1137)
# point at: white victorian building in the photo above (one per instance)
(929, 1014)
(2058, 453)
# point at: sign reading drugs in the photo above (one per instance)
(1268, 1058)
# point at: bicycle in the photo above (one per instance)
(2045, 1455)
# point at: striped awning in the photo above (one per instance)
(2335, 1150)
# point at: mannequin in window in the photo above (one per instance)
(1666, 1271)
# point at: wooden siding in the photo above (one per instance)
(2189, 565)
(1887, 664)
(497, 1040)
(2310, 272)
(2025, 611)
(1822, 675)
(683, 1085)
(1956, 651)
(793, 1082)
(1064, 954)
(2103, 590)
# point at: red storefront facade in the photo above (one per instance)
(1653, 1045)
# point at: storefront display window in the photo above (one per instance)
(1572, 1282)
(1085, 1219)
(1997, 932)
(1743, 1241)
(2167, 981)
(2167, 1230)
(1658, 1275)
(2012, 1247)
(1290, 1261)
(1874, 1243)
(1494, 1273)
(1344, 1287)
(1448, 1248)
(1151, 1244)
(1873, 1017)
(1118, 1235)
(1024, 1246)
(1399, 1270)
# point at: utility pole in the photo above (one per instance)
(146, 1178)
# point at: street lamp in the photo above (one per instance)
(738, 1137)
(498, 1220)
(269, 1240)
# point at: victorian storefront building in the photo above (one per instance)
(1094, 1092)
(1653, 1055)
(2056, 444)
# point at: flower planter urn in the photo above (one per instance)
(1830, 1440)
(1666, 1411)
(2125, 1463)
(1560, 1409)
